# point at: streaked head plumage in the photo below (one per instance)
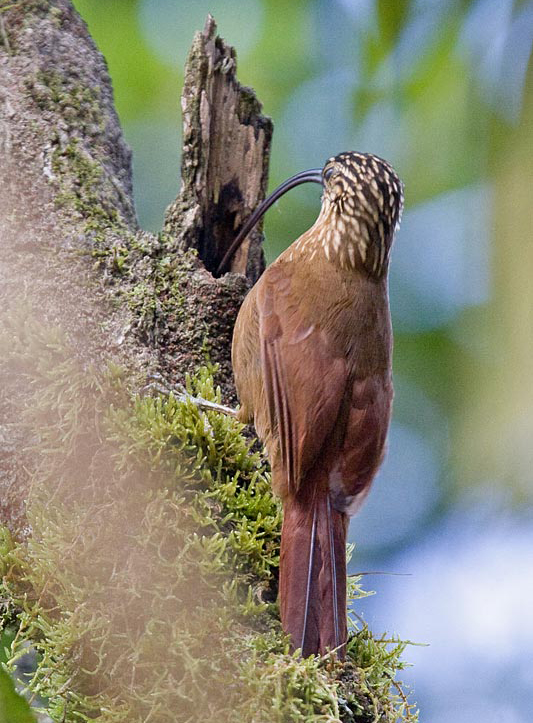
(362, 208)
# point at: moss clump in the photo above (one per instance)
(80, 106)
(89, 181)
(174, 304)
(81, 181)
(81, 178)
(148, 585)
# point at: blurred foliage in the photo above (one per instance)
(13, 708)
(495, 429)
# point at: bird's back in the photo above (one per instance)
(331, 322)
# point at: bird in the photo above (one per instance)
(312, 362)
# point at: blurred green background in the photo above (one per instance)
(443, 89)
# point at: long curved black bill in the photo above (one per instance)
(314, 175)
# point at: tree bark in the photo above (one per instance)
(72, 250)
(225, 157)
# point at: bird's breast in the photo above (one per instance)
(351, 309)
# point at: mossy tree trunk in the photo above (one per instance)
(71, 245)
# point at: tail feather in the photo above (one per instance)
(309, 609)
(313, 575)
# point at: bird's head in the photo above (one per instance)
(362, 205)
(361, 209)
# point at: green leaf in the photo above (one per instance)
(13, 708)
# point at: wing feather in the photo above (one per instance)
(308, 403)
(303, 385)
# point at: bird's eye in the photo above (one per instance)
(328, 173)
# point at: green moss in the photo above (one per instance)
(153, 278)
(80, 189)
(83, 186)
(164, 278)
(148, 585)
(38, 7)
(80, 106)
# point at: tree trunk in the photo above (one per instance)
(72, 250)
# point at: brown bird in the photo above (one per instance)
(312, 362)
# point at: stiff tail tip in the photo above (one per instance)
(313, 576)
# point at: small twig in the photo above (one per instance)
(381, 572)
(179, 393)
(361, 619)
(64, 716)
(401, 694)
